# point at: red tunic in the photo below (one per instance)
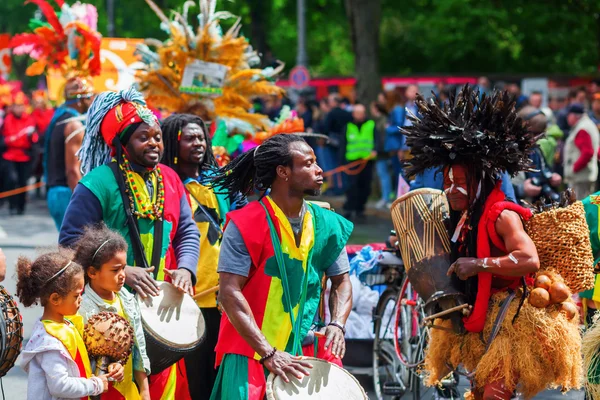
(486, 236)
(17, 141)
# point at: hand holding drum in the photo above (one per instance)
(325, 381)
(140, 280)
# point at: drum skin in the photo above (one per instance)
(420, 218)
(11, 332)
(173, 326)
(326, 381)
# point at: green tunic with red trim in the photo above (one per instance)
(102, 183)
(324, 235)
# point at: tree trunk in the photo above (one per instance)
(260, 11)
(364, 17)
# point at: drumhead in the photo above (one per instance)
(172, 317)
(326, 381)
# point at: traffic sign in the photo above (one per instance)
(299, 77)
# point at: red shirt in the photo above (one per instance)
(17, 141)
(42, 119)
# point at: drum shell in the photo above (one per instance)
(420, 219)
(160, 350)
(326, 381)
(11, 332)
(163, 355)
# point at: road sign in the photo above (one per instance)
(299, 77)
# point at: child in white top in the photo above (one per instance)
(55, 357)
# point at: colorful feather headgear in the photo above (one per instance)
(162, 76)
(68, 43)
(483, 133)
(109, 116)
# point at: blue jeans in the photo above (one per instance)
(58, 201)
(385, 179)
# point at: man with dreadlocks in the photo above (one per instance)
(473, 140)
(188, 151)
(274, 254)
(139, 198)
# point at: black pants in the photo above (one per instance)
(359, 189)
(17, 174)
(200, 365)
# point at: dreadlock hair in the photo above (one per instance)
(256, 168)
(484, 134)
(97, 246)
(171, 129)
(49, 273)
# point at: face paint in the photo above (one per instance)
(513, 258)
(496, 262)
(460, 189)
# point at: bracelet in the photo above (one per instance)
(337, 325)
(268, 355)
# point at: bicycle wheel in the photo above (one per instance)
(390, 377)
(411, 338)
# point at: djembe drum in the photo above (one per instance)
(11, 331)
(326, 381)
(173, 326)
(420, 218)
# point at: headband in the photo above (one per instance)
(60, 271)
(98, 249)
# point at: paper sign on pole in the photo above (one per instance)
(203, 78)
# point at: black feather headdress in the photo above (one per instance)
(484, 134)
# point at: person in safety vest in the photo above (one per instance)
(359, 143)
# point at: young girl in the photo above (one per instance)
(55, 357)
(103, 253)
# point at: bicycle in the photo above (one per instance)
(401, 338)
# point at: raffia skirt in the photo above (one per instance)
(541, 350)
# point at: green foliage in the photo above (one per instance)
(417, 36)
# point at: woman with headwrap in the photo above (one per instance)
(125, 186)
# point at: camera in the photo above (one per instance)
(543, 181)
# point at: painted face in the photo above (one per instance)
(306, 175)
(145, 147)
(192, 145)
(69, 304)
(456, 187)
(111, 275)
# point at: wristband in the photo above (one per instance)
(338, 325)
(268, 355)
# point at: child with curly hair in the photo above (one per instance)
(55, 358)
(103, 254)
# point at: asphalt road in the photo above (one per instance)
(25, 235)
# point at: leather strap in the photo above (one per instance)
(134, 234)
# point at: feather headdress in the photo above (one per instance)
(164, 67)
(69, 43)
(483, 133)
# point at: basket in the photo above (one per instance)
(561, 236)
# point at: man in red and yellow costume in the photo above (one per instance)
(274, 255)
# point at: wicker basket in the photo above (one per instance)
(561, 236)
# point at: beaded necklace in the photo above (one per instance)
(141, 209)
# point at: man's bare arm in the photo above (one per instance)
(239, 313)
(73, 138)
(340, 299)
(522, 257)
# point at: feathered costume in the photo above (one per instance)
(162, 76)
(68, 43)
(536, 348)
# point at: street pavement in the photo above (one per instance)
(28, 234)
